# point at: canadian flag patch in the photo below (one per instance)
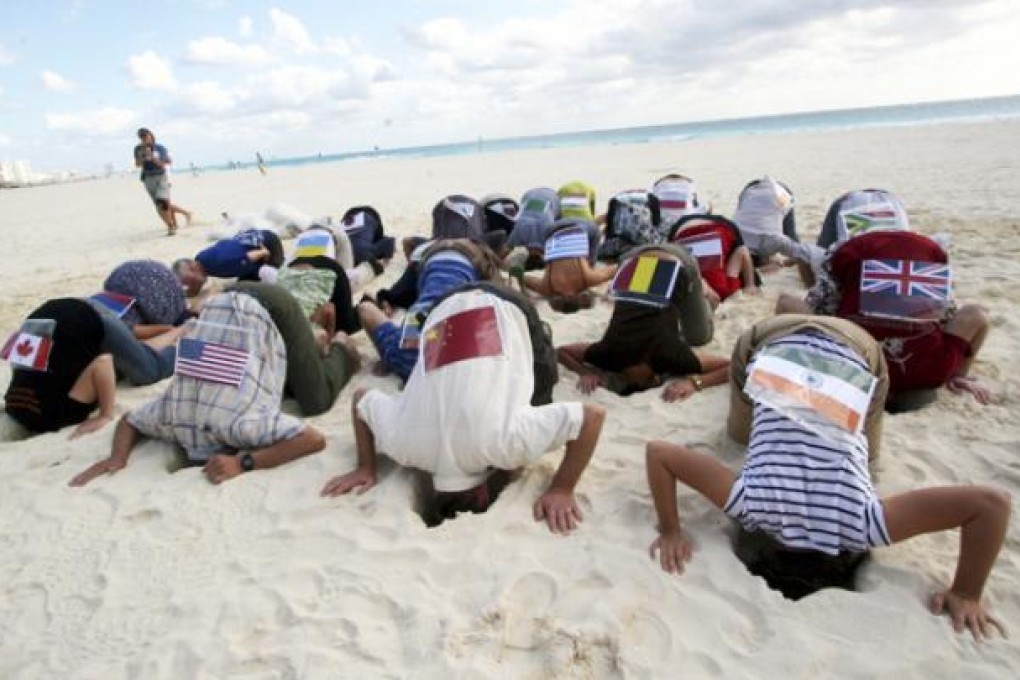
(26, 350)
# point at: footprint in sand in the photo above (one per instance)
(526, 604)
(646, 640)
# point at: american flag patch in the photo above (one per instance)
(210, 361)
(904, 289)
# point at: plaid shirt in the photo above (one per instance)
(208, 418)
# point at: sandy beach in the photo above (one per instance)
(156, 573)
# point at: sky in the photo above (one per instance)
(218, 80)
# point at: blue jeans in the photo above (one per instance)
(132, 358)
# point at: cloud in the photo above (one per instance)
(244, 26)
(289, 87)
(218, 51)
(54, 82)
(6, 56)
(372, 69)
(149, 71)
(97, 122)
(289, 32)
(336, 46)
(209, 97)
(5, 140)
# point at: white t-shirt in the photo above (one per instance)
(762, 207)
(458, 420)
(678, 197)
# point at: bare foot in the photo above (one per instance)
(322, 340)
(347, 343)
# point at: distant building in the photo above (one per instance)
(15, 173)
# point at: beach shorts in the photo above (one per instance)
(158, 187)
(924, 362)
(400, 362)
(723, 285)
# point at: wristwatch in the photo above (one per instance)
(698, 383)
(247, 462)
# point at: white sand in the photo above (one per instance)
(159, 575)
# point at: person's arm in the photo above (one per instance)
(145, 331)
(713, 297)
(538, 284)
(97, 383)
(572, 357)
(362, 477)
(982, 513)
(666, 463)
(746, 268)
(160, 156)
(715, 370)
(259, 254)
(220, 468)
(557, 506)
(596, 276)
(125, 437)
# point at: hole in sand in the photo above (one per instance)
(436, 507)
(795, 573)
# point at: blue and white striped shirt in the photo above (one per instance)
(802, 489)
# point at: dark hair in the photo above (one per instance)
(144, 131)
(796, 573)
(535, 260)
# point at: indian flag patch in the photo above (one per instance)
(812, 388)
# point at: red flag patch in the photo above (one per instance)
(470, 334)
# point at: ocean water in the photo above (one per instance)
(966, 110)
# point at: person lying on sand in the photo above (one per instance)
(569, 255)
(766, 216)
(314, 377)
(648, 341)
(445, 265)
(239, 257)
(928, 341)
(466, 412)
(812, 425)
(60, 374)
(225, 409)
(724, 261)
(158, 301)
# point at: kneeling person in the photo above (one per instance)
(805, 482)
(465, 411)
(231, 427)
(569, 272)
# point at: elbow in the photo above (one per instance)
(655, 451)
(996, 502)
(595, 414)
(315, 441)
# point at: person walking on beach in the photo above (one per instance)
(261, 162)
(154, 159)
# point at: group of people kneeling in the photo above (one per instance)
(479, 365)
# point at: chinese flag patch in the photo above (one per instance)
(470, 334)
